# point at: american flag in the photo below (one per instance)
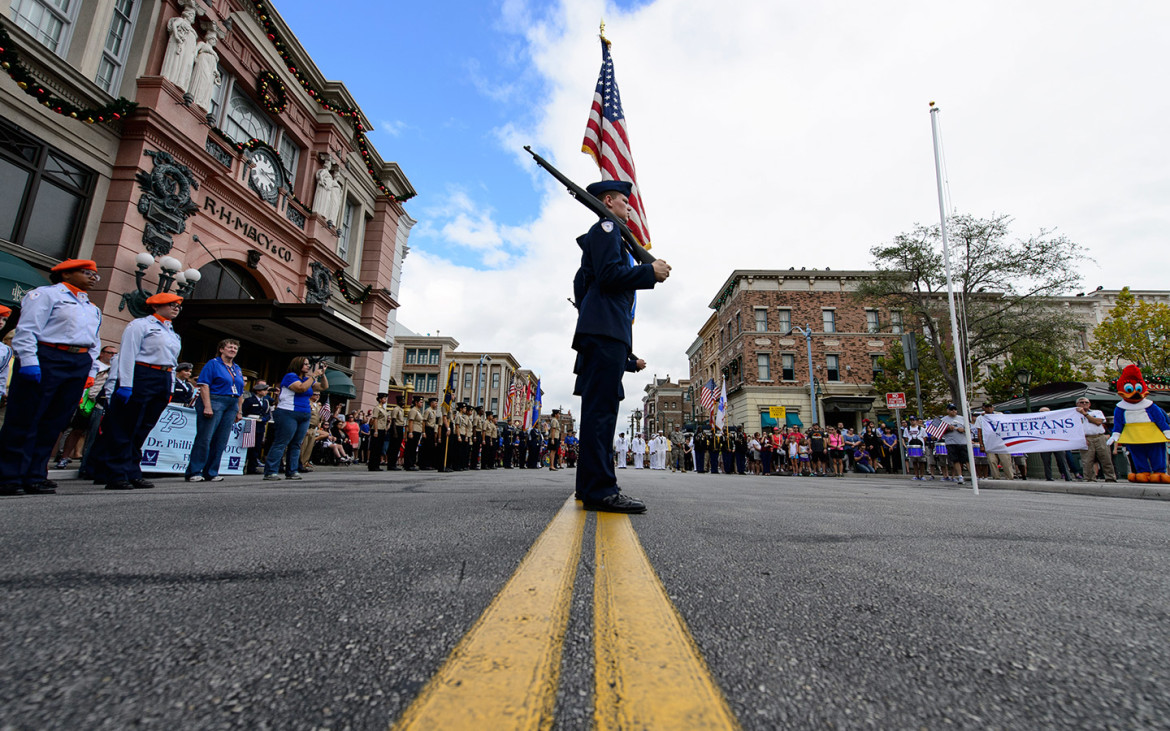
(707, 398)
(449, 389)
(606, 140)
(936, 429)
(511, 398)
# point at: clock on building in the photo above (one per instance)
(266, 176)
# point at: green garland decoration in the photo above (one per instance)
(10, 62)
(271, 91)
(353, 299)
(353, 115)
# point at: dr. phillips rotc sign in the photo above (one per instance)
(1047, 431)
(168, 446)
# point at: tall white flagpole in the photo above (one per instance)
(942, 214)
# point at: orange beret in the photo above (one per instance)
(163, 298)
(70, 264)
(5, 311)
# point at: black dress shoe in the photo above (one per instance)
(375, 469)
(141, 484)
(10, 488)
(44, 487)
(618, 503)
(120, 485)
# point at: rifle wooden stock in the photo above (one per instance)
(591, 202)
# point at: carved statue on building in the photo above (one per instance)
(205, 75)
(327, 198)
(180, 56)
(318, 287)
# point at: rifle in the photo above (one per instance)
(591, 202)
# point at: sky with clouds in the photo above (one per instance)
(766, 133)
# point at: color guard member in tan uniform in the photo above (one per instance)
(397, 426)
(554, 441)
(414, 423)
(379, 421)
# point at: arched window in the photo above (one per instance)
(218, 284)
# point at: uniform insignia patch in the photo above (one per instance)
(607, 226)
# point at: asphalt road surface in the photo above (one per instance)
(489, 600)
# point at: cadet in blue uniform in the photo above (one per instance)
(604, 291)
(56, 343)
(148, 356)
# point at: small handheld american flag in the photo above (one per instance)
(935, 429)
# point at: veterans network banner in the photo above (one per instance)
(168, 447)
(1046, 431)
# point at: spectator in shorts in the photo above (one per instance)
(955, 439)
(836, 452)
(818, 450)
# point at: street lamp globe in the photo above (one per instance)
(1024, 377)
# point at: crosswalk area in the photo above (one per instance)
(647, 670)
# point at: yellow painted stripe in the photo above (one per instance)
(649, 673)
(503, 674)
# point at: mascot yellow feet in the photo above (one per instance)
(1160, 477)
(1142, 477)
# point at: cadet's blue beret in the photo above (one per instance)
(604, 186)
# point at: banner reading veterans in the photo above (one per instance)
(1047, 431)
(168, 447)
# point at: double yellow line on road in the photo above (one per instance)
(503, 674)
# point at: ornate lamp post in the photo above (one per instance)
(171, 274)
(637, 422)
(1024, 378)
(806, 331)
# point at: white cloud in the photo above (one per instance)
(393, 128)
(798, 135)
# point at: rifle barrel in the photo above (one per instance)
(590, 201)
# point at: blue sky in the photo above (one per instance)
(766, 133)
(437, 79)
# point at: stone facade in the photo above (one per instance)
(421, 364)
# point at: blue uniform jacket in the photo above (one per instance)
(605, 284)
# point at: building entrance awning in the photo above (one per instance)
(17, 277)
(339, 384)
(860, 404)
(283, 327)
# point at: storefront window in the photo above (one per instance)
(46, 195)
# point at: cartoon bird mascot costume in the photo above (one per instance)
(1140, 425)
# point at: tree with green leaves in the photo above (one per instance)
(896, 378)
(1003, 290)
(1046, 366)
(1135, 331)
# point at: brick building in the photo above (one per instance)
(749, 340)
(666, 405)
